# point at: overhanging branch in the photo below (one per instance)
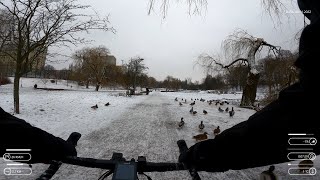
(274, 49)
(243, 60)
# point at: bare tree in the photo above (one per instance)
(92, 62)
(39, 24)
(210, 83)
(114, 76)
(152, 82)
(48, 71)
(135, 68)
(241, 47)
(171, 83)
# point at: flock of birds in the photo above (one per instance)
(217, 130)
(201, 126)
(96, 106)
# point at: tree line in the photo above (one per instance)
(276, 72)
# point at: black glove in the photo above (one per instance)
(187, 158)
(202, 158)
(15, 133)
(49, 147)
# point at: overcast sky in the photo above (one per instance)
(171, 46)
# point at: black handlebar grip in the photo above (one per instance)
(74, 138)
(182, 146)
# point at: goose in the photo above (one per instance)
(205, 112)
(94, 107)
(231, 113)
(201, 137)
(220, 110)
(216, 131)
(269, 174)
(201, 125)
(107, 104)
(191, 110)
(181, 123)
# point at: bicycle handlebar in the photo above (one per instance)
(110, 164)
(141, 164)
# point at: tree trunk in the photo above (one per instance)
(98, 86)
(134, 84)
(16, 93)
(250, 90)
(87, 84)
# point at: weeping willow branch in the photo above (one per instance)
(273, 7)
(208, 63)
(275, 49)
(237, 44)
(195, 7)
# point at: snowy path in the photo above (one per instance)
(146, 129)
(138, 132)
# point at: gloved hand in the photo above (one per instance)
(15, 133)
(49, 147)
(202, 158)
(188, 158)
(218, 154)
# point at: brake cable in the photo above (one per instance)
(106, 174)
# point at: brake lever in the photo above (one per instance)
(183, 148)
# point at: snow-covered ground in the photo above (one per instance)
(137, 125)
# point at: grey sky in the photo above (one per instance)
(170, 46)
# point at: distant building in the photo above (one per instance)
(110, 60)
(7, 54)
(8, 39)
(40, 60)
(9, 63)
